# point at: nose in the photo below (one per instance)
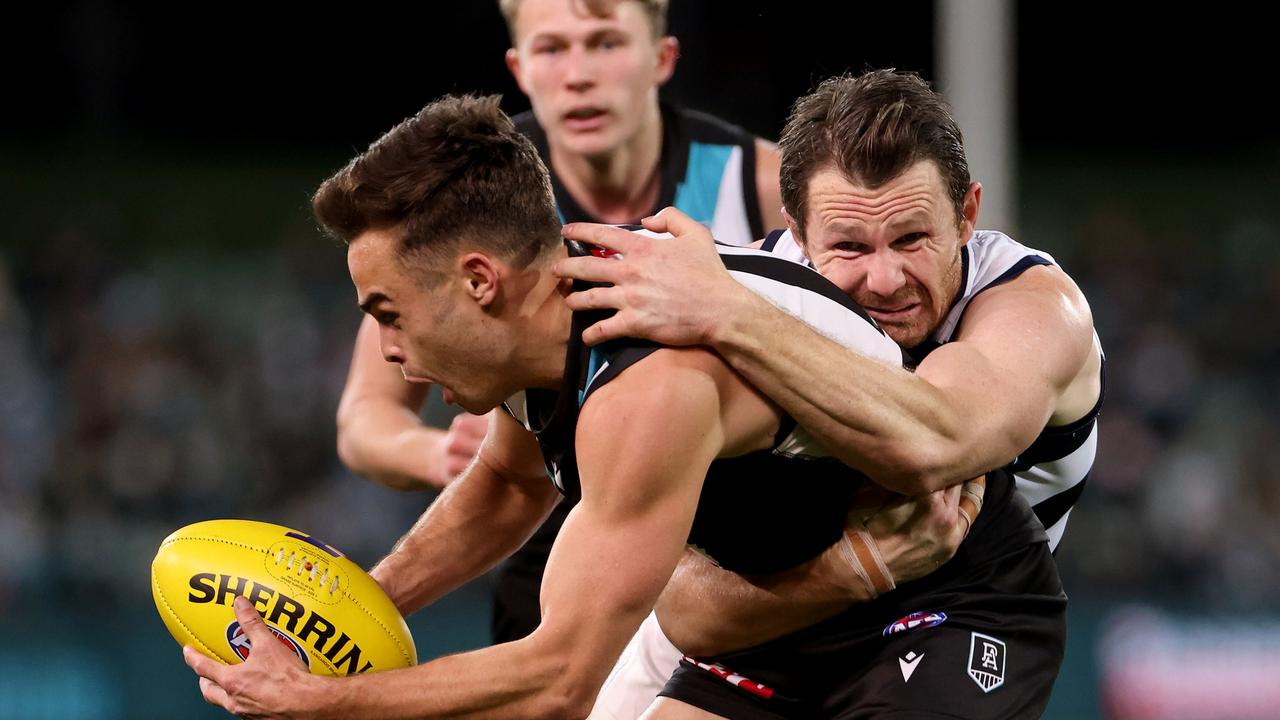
(389, 342)
(884, 273)
(579, 69)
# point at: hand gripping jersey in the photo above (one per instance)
(1052, 472)
(765, 511)
(708, 172)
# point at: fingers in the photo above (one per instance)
(949, 497)
(864, 557)
(205, 667)
(214, 694)
(671, 220)
(970, 502)
(603, 331)
(598, 298)
(470, 423)
(606, 236)
(588, 269)
(466, 431)
(252, 624)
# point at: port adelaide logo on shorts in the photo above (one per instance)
(986, 661)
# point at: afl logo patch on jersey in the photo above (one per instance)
(241, 646)
(915, 620)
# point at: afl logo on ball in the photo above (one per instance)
(240, 644)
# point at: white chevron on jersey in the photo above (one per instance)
(990, 258)
(730, 219)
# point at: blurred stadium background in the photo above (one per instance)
(174, 333)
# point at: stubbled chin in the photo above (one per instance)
(907, 331)
(908, 335)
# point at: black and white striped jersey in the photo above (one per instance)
(1052, 472)
(764, 511)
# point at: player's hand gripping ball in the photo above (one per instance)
(319, 604)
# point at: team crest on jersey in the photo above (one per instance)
(986, 661)
(915, 620)
(241, 646)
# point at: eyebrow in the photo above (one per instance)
(373, 299)
(910, 217)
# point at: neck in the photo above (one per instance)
(621, 185)
(545, 321)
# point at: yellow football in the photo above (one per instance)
(318, 603)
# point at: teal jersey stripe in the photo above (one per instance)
(697, 194)
(593, 365)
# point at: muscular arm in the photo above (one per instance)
(972, 405)
(477, 521)
(380, 434)
(1023, 356)
(644, 443)
(597, 587)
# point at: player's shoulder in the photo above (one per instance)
(662, 383)
(1012, 267)
(701, 126)
(1040, 295)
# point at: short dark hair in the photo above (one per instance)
(871, 128)
(655, 10)
(456, 171)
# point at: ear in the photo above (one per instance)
(668, 54)
(792, 226)
(972, 201)
(480, 278)
(513, 66)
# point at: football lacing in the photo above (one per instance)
(304, 566)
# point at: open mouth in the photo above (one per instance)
(585, 118)
(890, 314)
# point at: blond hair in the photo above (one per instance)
(655, 10)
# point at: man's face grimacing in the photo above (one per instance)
(431, 327)
(894, 249)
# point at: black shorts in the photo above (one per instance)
(517, 587)
(984, 641)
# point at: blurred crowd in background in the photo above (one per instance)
(137, 399)
(139, 396)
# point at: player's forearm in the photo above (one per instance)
(476, 522)
(521, 680)
(898, 429)
(387, 443)
(705, 610)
